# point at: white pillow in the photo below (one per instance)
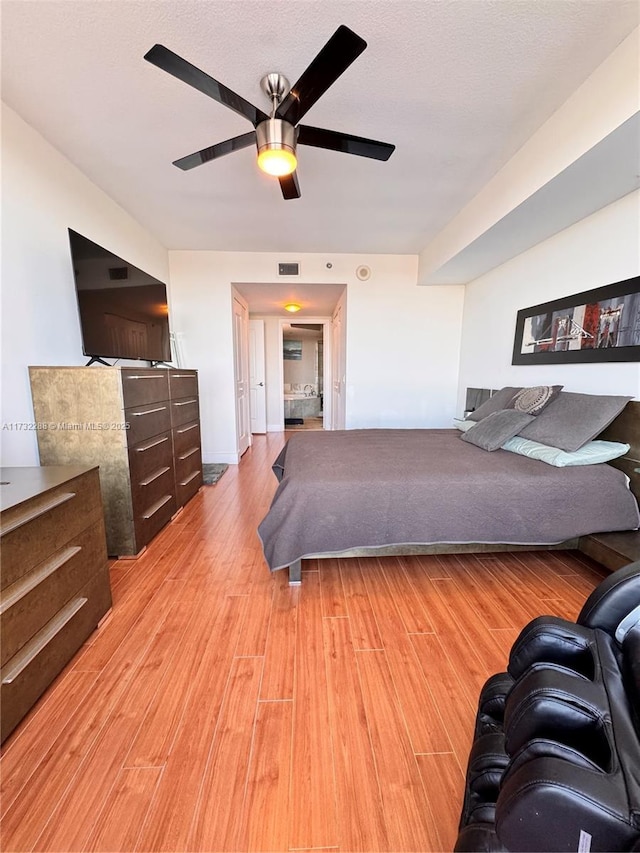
(463, 425)
(589, 454)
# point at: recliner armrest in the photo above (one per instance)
(610, 602)
(552, 640)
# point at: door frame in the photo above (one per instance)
(327, 376)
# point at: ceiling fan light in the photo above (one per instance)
(292, 306)
(276, 140)
(277, 161)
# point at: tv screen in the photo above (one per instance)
(123, 310)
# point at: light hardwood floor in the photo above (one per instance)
(217, 708)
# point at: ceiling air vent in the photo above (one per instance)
(118, 273)
(288, 269)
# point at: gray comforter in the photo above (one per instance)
(363, 488)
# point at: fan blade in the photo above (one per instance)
(289, 186)
(318, 137)
(215, 151)
(336, 56)
(170, 62)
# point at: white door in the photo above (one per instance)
(241, 357)
(338, 368)
(257, 390)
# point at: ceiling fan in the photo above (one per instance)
(277, 134)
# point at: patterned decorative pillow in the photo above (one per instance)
(533, 400)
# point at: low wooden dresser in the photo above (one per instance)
(54, 578)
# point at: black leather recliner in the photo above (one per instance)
(555, 763)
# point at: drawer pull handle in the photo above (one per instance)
(189, 478)
(20, 661)
(154, 509)
(149, 412)
(20, 588)
(189, 453)
(183, 376)
(154, 476)
(157, 376)
(186, 429)
(30, 516)
(185, 403)
(152, 444)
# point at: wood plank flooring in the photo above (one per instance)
(218, 709)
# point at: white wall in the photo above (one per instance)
(43, 194)
(402, 350)
(599, 250)
(402, 340)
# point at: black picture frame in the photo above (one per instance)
(606, 324)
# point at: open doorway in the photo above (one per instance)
(303, 375)
(267, 315)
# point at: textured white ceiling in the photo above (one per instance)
(456, 85)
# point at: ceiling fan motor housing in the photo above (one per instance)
(276, 133)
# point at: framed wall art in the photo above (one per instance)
(596, 325)
(292, 350)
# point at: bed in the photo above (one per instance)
(380, 491)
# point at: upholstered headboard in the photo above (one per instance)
(626, 428)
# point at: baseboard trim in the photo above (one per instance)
(230, 458)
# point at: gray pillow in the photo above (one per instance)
(572, 420)
(500, 400)
(491, 432)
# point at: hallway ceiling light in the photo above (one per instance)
(292, 306)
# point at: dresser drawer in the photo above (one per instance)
(183, 383)
(184, 411)
(149, 455)
(30, 534)
(140, 387)
(32, 601)
(147, 421)
(187, 462)
(145, 493)
(151, 520)
(28, 673)
(186, 436)
(188, 486)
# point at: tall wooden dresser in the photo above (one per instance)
(54, 578)
(140, 425)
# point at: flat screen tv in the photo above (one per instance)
(123, 310)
